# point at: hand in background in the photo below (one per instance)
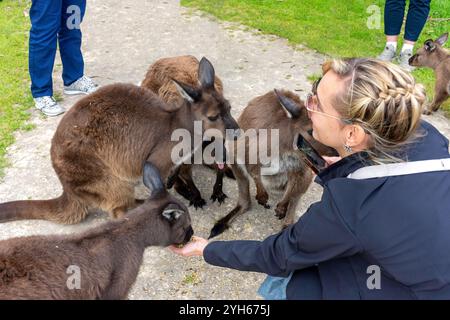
(331, 160)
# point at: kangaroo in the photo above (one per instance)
(282, 110)
(107, 257)
(434, 56)
(101, 144)
(159, 80)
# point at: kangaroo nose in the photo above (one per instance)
(188, 235)
(411, 60)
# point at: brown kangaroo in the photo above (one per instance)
(183, 69)
(434, 56)
(159, 80)
(103, 141)
(107, 258)
(282, 110)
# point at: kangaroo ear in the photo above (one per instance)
(289, 106)
(187, 92)
(206, 73)
(442, 39)
(172, 214)
(152, 179)
(429, 45)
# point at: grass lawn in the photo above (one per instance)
(335, 28)
(15, 96)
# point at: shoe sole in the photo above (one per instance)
(73, 93)
(53, 114)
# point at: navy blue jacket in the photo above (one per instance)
(400, 224)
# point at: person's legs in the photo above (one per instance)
(415, 21)
(45, 19)
(69, 39)
(394, 12)
(69, 36)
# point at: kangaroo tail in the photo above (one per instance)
(34, 209)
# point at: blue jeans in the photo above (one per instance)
(306, 286)
(274, 288)
(394, 11)
(49, 27)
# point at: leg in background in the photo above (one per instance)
(69, 39)
(45, 19)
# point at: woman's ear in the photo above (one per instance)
(356, 137)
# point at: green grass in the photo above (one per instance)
(336, 28)
(15, 96)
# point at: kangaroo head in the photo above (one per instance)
(207, 104)
(295, 111)
(170, 222)
(431, 53)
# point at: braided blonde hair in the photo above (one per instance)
(383, 99)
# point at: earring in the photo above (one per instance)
(347, 148)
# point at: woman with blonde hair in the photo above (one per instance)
(381, 229)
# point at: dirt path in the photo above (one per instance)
(121, 39)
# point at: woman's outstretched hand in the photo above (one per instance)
(194, 247)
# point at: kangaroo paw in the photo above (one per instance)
(280, 211)
(197, 202)
(262, 199)
(173, 177)
(265, 205)
(219, 196)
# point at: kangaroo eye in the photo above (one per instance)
(214, 118)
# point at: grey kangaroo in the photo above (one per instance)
(107, 258)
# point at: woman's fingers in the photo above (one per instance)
(193, 248)
(175, 249)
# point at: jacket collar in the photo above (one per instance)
(344, 167)
(431, 145)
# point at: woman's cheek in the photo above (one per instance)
(316, 133)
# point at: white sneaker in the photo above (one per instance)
(403, 60)
(84, 85)
(388, 53)
(48, 106)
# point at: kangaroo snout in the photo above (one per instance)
(188, 236)
(232, 128)
(413, 61)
